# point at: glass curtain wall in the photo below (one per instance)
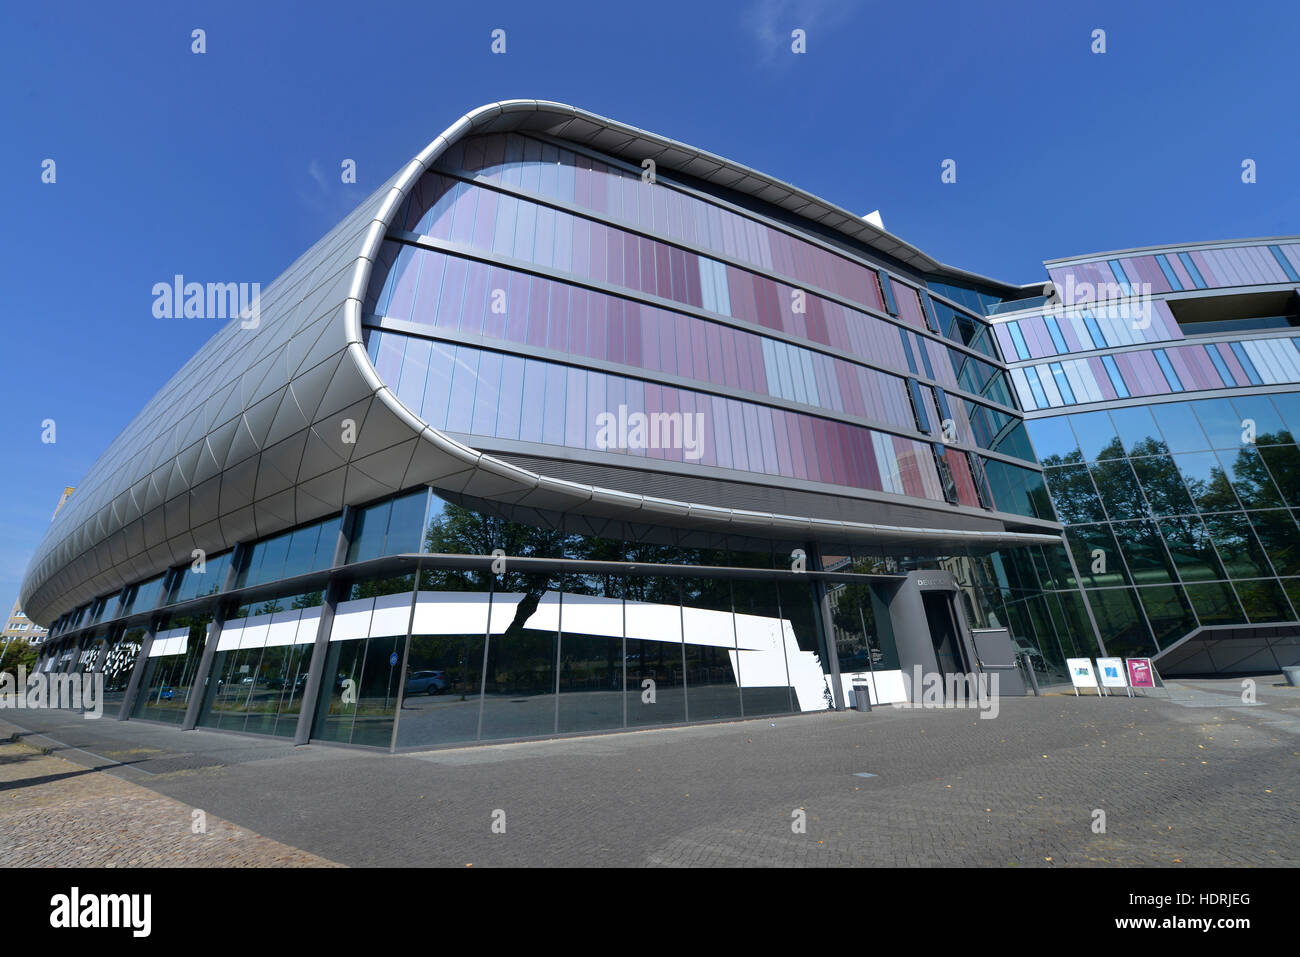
(119, 662)
(591, 658)
(1179, 513)
(524, 654)
(362, 677)
(259, 672)
(444, 659)
(168, 679)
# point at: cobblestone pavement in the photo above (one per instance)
(1196, 777)
(57, 813)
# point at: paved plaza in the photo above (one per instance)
(1196, 777)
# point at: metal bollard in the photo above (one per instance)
(1029, 669)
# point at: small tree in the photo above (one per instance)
(19, 651)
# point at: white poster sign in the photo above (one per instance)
(1081, 673)
(1111, 671)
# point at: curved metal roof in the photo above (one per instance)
(246, 439)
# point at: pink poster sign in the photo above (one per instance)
(1140, 674)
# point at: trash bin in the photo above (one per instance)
(1292, 673)
(861, 696)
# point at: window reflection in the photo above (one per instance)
(1180, 428)
(1168, 611)
(1250, 478)
(1163, 485)
(165, 686)
(119, 662)
(808, 666)
(1206, 481)
(519, 681)
(1264, 601)
(1215, 603)
(361, 679)
(591, 659)
(259, 673)
(765, 642)
(1137, 431)
(655, 691)
(1120, 618)
(710, 647)
(1237, 545)
(1097, 438)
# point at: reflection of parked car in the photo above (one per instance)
(166, 694)
(427, 682)
(1032, 655)
(280, 683)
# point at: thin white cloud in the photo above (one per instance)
(315, 171)
(772, 21)
(324, 193)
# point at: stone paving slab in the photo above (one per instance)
(56, 813)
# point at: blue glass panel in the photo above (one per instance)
(1220, 366)
(891, 306)
(1220, 421)
(1137, 430)
(1285, 264)
(1192, 270)
(1097, 437)
(1054, 331)
(1116, 379)
(1168, 270)
(1181, 429)
(1019, 340)
(1094, 330)
(1054, 439)
(1118, 271)
(1167, 368)
(1036, 387)
(1246, 364)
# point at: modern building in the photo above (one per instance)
(570, 427)
(18, 625)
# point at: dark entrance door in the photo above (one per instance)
(948, 650)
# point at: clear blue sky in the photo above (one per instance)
(224, 166)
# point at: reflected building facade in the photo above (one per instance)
(1166, 411)
(547, 439)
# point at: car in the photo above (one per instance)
(427, 682)
(1031, 655)
(282, 682)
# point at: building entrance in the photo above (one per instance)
(949, 652)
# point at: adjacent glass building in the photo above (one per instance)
(570, 427)
(1160, 389)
